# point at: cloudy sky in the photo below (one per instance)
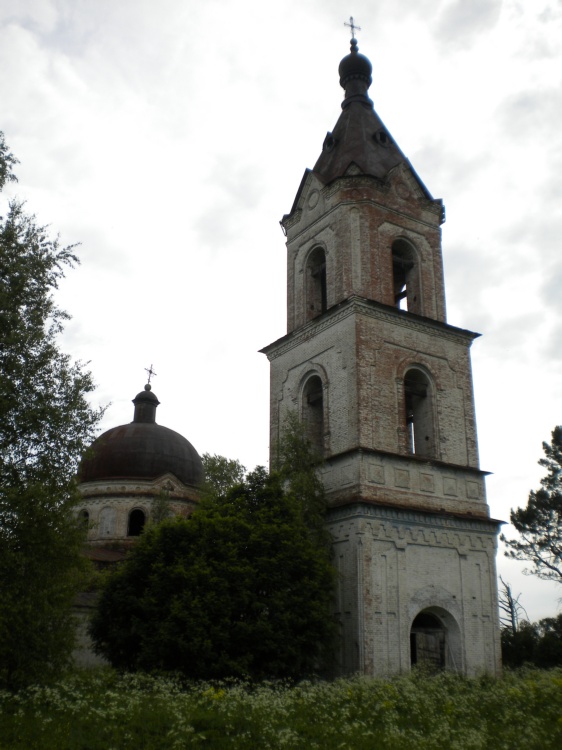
(169, 138)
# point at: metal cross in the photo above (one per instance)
(150, 372)
(352, 26)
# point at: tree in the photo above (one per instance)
(221, 474)
(537, 643)
(241, 588)
(46, 423)
(549, 646)
(298, 463)
(519, 647)
(510, 608)
(540, 522)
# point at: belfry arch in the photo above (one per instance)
(316, 300)
(419, 402)
(406, 276)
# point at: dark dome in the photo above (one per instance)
(141, 450)
(355, 66)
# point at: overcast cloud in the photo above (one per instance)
(169, 139)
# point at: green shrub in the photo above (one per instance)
(106, 711)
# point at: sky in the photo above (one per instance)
(169, 139)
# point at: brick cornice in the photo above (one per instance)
(369, 308)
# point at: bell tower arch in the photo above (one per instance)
(366, 308)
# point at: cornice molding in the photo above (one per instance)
(420, 518)
(369, 308)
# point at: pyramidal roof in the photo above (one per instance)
(360, 137)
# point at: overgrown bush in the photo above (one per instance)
(105, 711)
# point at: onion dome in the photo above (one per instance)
(355, 75)
(141, 450)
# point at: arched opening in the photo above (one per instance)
(315, 274)
(136, 522)
(405, 276)
(313, 412)
(428, 642)
(418, 398)
(84, 518)
(435, 640)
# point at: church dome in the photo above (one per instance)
(141, 450)
(355, 67)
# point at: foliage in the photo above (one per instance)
(538, 643)
(7, 162)
(221, 474)
(45, 425)
(241, 588)
(540, 522)
(100, 710)
(160, 509)
(297, 465)
(519, 646)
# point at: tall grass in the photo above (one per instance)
(106, 711)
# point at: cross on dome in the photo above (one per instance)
(150, 372)
(352, 26)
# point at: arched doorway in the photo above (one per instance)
(428, 641)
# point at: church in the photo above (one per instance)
(383, 386)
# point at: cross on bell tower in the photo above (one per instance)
(352, 27)
(382, 383)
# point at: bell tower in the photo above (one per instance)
(383, 385)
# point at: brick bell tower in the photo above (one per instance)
(383, 384)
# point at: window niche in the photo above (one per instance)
(316, 291)
(405, 276)
(313, 412)
(418, 398)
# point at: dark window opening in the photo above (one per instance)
(405, 277)
(316, 288)
(419, 414)
(313, 413)
(136, 522)
(84, 518)
(428, 641)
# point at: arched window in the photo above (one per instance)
(136, 522)
(315, 279)
(84, 518)
(313, 412)
(405, 275)
(418, 400)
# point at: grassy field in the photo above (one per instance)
(105, 711)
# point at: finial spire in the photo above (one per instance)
(353, 28)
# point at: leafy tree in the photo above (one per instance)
(519, 647)
(45, 425)
(161, 508)
(221, 474)
(241, 588)
(549, 646)
(540, 522)
(297, 464)
(537, 643)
